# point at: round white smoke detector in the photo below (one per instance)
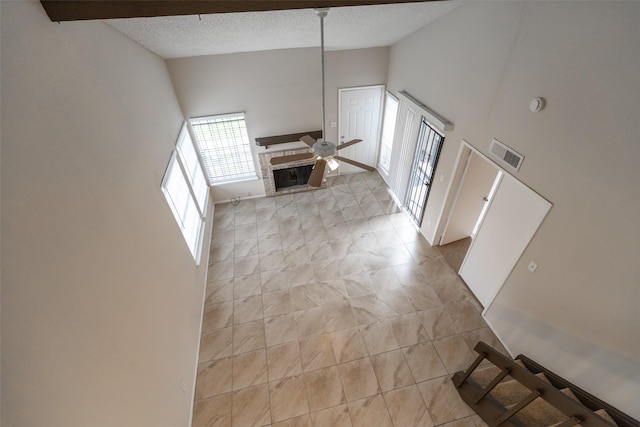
(536, 104)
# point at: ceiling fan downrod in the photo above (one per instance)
(323, 151)
(324, 148)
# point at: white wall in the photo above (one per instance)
(279, 91)
(0, 227)
(479, 66)
(101, 300)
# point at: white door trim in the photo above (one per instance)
(456, 182)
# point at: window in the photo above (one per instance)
(185, 188)
(388, 131)
(192, 168)
(224, 146)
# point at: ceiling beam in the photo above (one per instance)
(70, 10)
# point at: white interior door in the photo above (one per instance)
(513, 216)
(360, 112)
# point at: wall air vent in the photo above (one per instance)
(508, 157)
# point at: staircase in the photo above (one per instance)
(507, 392)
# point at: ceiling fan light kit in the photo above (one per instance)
(332, 163)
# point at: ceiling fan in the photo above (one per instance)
(323, 151)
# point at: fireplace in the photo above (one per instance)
(286, 178)
(292, 177)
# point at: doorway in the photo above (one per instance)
(491, 220)
(478, 178)
(360, 110)
(423, 169)
(476, 184)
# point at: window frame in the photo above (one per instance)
(183, 137)
(193, 237)
(388, 129)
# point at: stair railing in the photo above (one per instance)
(586, 398)
(495, 414)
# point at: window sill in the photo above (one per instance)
(217, 184)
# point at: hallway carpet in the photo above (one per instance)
(455, 252)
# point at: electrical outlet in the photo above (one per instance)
(532, 266)
(333, 124)
(441, 178)
(183, 385)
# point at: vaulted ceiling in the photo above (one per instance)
(174, 29)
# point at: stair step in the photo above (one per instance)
(509, 392)
(543, 377)
(574, 422)
(537, 413)
(601, 412)
(569, 393)
(540, 413)
(484, 375)
(604, 414)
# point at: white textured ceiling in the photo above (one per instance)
(345, 28)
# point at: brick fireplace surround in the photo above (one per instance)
(267, 171)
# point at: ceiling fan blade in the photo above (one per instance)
(354, 163)
(317, 174)
(291, 158)
(307, 139)
(348, 143)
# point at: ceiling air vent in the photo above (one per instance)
(507, 156)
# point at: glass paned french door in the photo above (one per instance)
(423, 170)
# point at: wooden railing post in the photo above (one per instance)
(518, 406)
(503, 373)
(460, 380)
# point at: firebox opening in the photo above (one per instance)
(291, 177)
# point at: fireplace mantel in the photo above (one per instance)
(282, 139)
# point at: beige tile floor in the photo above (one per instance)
(327, 308)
